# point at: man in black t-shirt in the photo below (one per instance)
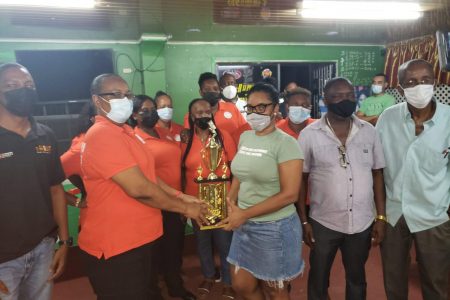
(32, 206)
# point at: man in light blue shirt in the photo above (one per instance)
(416, 142)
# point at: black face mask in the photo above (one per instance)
(343, 109)
(212, 97)
(202, 123)
(20, 101)
(150, 118)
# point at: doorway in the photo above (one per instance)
(309, 75)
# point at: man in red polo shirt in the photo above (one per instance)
(226, 115)
(298, 107)
(123, 217)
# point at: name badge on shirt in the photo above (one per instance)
(227, 115)
(43, 149)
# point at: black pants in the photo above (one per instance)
(129, 275)
(168, 256)
(355, 251)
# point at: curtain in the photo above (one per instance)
(419, 48)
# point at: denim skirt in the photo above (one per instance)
(270, 251)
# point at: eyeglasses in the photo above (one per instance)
(412, 82)
(259, 109)
(117, 95)
(343, 156)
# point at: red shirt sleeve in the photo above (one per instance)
(229, 145)
(237, 134)
(70, 160)
(71, 163)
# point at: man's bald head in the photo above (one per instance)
(413, 64)
(5, 67)
(97, 83)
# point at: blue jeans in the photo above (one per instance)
(222, 241)
(26, 276)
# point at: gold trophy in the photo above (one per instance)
(213, 189)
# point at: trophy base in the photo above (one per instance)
(208, 227)
(213, 193)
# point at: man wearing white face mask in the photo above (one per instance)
(123, 219)
(228, 86)
(298, 106)
(164, 107)
(373, 106)
(416, 142)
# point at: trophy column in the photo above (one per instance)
(213, 189)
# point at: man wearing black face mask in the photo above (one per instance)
(345, 159)
(226, 115)
(32, 205)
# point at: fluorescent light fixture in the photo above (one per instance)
(51, 3)
(154, 37)
(360, 10)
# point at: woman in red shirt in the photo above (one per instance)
(123, 217)
(192, 163)
(70, 160)
(167, 155)
(164, 107)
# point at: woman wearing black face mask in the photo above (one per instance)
(193, 166)
(167, 154)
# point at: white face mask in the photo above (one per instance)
(229, 92)
(165, 113)
(258, 122)
(420, 95)
(299, 114)
(121, 110)
(377, 89)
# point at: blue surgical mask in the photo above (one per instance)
(165, 113)
(377, 89)
(299, 114)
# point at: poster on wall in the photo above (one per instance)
(248, 74)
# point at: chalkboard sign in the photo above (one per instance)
(359, 66)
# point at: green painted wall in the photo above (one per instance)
(174, 67)
(184, 62)
(153, 66)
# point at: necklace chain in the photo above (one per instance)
(332, 130)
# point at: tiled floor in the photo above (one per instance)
(79, 288)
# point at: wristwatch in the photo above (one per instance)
(68, 242)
